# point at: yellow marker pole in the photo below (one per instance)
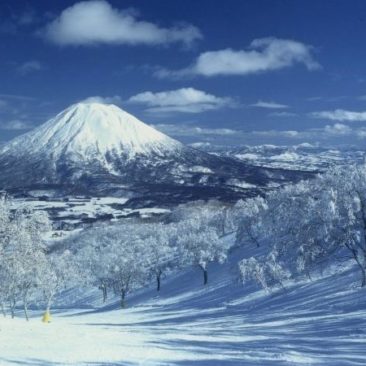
(46, 317)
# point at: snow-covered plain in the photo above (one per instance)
(318, 322)
(303, 157)
(76, 212)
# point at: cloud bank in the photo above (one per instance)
(328, 134)
(185, 100)
(263, 55)
(97, 22)
(340, 115)
(116, 99)
(269, 105)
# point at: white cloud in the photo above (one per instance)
(15, 125)
(338, 129)
(278, 133)
(283, 114)
(269, 105)
(361, 133)
(200, 145)
(189, 131)
(264, 54)
(96, 22)
(29, 67)
(205, 135)
(116, 99)
(340, 115)
(186, 100)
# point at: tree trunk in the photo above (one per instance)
(205, 277)
(205, 274)
(12, 308)
(49, 301)
(308, 275)
(104, 292)
(362, 268)
(25, 303)
(26, 310)
(123, 295)
(363, 271)
(158, 281)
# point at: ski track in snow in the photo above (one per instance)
(311, 323)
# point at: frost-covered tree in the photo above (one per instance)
(200, 246)
(95, 257)
(346, 212)
(247, 217)
(266, 272)
(208, 214)
(59, 271)
(309, 223)
(160, 251)
(114, 256)
(5, 235)
(128, 266)
(23, 256)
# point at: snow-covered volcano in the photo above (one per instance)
(88, 131)
(97, 149)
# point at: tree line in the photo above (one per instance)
(303, 227)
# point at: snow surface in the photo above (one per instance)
(304, 157)
(73, 211)
(90, 130)
(319, 322)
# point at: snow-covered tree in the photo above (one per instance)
(200, 246)
(346, 212)
(247, 216)
(267, 272)
(95, 257)
(212, 213)
(128, 266)
(59, 271)
(23, 256)
(309, 223)
(160, 251)
(5, 235)
(114, 256)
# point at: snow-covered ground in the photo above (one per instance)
(304, 157)
(319, 322)
(75, 212)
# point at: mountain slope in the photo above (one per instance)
(319, 322)
(100, 149)
(91, 130)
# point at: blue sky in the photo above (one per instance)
(232, 72)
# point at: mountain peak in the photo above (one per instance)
(94, 105)
(91, 130)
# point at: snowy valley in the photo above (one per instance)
(271, 281)
(268, 267)
(96, 162)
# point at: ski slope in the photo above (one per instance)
(319, 322)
